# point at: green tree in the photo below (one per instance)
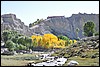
(30, 25)
(89, 28)
(28, 42)
(35, 44)
(21, 40)
(10, 45)
(6, 35)
(15, 40)
(77, 31)
(63, 37)
(22, 47)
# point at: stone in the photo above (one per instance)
(73, 63)
(93, 56)
(7, 53)
(74, 45)
(81, 46)
(97, 46)
(83, 55)
(82, 50)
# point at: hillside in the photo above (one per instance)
(85, 52)
(11, 22)
(58, 25)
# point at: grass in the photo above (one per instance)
(87, 61)
(84, 61)
(18, 60)
(11, 62)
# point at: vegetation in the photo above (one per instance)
(51, 41)
(19, 60)
(77, 31)
(63, 37)
(36, 22)
(15, 41)
(89, 28)
(10, 45)
(84, 61)
(81, 52)
(96, 33)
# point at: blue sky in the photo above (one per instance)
(30, 11)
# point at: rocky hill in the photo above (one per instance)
(85, 52)
(58, 25)
(9, 21)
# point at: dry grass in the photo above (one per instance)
(6, 62)
(84, 61)
(12, 61)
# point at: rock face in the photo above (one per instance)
(9, 21)
(60, 25)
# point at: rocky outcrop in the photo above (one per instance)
(82, 49)
(60, 25)
(9, 21)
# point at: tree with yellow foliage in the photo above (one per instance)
(50, 41)
(74, 41)
(36, 40)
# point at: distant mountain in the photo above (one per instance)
(58, 25)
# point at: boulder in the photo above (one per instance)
(93, 56)
(73, 63)
(7, 53)
(97, 46)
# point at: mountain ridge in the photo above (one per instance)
(58, 25)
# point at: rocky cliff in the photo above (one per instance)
(9, 21)
(58, 25)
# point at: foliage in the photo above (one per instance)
(51, 41)
(10, 45)
(15, 41)
(96, 33)
(36, 22)
(77, 31)
(22, 47)
(74, 41)
(21, 41)
(63, 37)
(89, 28)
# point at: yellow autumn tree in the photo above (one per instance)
(37, 40)
(50, 41)
(74, 41)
